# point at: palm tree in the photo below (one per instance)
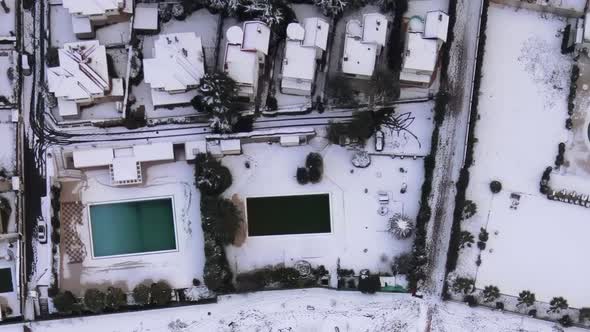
(401, 226)
(490, 293)
(526, 297)
(557, 304)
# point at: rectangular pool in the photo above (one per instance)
(284, 215)
(132, 227)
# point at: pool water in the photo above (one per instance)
(282, 215)
(132, 227)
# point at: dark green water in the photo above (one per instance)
(6, 280)
(280, 215)
(132, 227)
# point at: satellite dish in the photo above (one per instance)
(295, 31)
(234, 35)
(354, 28)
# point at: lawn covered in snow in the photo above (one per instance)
(522, 107)
(359, 236)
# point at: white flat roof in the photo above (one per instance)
(413, 77)
(67, 107)
(146, 16)
(229, 145)
(81, 25)
(154, 152)
(163, 98)
(375, 28)
(125, 169)
(193, 148)
(256, 36)
(241, 66)
(420, 53)
(177, 64)
(92, 7)
(93, 157)
(316, 32)
(299, 61)
(437, 25)
(358, 58)
(82, 73)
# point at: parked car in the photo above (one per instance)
(41, 231)
(379, 140)
(25, 64)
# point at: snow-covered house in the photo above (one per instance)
(124, 163)
(422, 49)
(363, 43)
(82, 78)
(145, 19)
(245, 55)
(304, 46)
(176, 69)
(89, 14)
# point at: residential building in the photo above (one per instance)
(82, 78)
(363, 44)
(145, 19)
(87, 15)
(422, 49)
(303, 48)
(245, 55)
(176, 69)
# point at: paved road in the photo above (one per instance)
(451, 146)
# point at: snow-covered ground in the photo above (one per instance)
(7, 20)
(522, 111)
(8, 148)
(6, 85)
(359, 234)
(178, 268)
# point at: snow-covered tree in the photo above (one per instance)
(490, 293)
(557, 304)
(463, 285)
(178, 11)
(401, 226)
(331, 7)
(48, 97)
(270, 12)
(218, 91)
(527, 298)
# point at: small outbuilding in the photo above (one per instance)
(146, 18)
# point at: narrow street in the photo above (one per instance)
(452, 142)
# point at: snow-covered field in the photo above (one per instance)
(177, 268)
(523, 107)
(359, 234)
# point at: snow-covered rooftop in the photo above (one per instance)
(374, 28)
(83, 72)
(146, 16)
(316, 32)
(437, 25)
(93, 7)
(358, 57)
(178, 63)
(420, 53)
(241, 66)
(299, 61)
(256, 37)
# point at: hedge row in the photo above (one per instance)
(463, 182)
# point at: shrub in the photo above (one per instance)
(178, 12)
(470, 300)
(51, 57)
(141, 294)
(65, 302)
(220, 218)
(94, 300)
(302, 175)
(196, 282)
(463, 285)
(315, 164)
(466, 240)
(403, 264)
(165, 13)
(197, 103)
(469, 209)
(218, 92)
(115, 298)
(271, 103)
(369, 283)
(526, 297)
(495, 186)
(557, 304)
(483, 238)
(566, 321)
(161, 293)
(500, 305)
(249, 282)
(245, 124)
(532, 313)
(351, 283)
(217, 275)
(584, 314)
(286, 276)
(211, 176)
(490, 293)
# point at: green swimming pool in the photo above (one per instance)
(283, 215)
(132, 227)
